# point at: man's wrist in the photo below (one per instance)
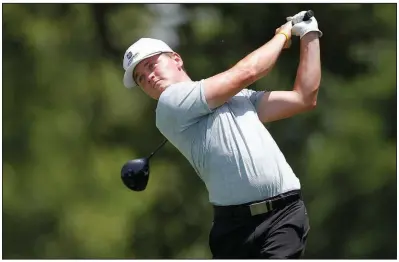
(311, 35)
(282, 36)
(287, 38)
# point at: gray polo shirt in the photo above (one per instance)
(229, 147)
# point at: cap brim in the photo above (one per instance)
(128, 78)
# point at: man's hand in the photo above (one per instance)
(285, 29)
(301, 27)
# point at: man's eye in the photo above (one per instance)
(151, 66)
(140, 79)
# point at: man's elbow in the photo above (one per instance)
(311, 105)
(310, 101)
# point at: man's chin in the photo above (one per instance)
(163, 86)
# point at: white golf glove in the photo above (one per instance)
(301, 27)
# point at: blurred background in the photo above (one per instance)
(69, 125)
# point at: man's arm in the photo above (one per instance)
(277, 105)
(220, 88)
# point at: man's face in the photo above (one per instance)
(156, 73)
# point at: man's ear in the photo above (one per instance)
(178, 60)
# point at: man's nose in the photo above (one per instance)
(151, 77)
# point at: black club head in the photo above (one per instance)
(135, 174)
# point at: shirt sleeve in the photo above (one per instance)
(254, 96)
(182, 105)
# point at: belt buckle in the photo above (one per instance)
(259, 208)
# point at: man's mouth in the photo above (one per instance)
(155, 83)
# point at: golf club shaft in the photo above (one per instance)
(159, 147)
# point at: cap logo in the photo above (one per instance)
(130, 57)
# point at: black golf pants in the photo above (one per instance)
(278, 234)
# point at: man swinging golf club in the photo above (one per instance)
(217, 124)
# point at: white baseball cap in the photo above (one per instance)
(137, 52)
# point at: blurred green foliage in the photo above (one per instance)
(69, 125)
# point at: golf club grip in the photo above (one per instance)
(309, 14)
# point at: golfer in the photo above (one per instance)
(217, 124)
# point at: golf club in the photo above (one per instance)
(309, 14)
(135, 173)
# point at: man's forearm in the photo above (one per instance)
(309, 70)
(222, 87)
(260, 62)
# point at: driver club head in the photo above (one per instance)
(135, 174)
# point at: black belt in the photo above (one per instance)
(259, 207)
